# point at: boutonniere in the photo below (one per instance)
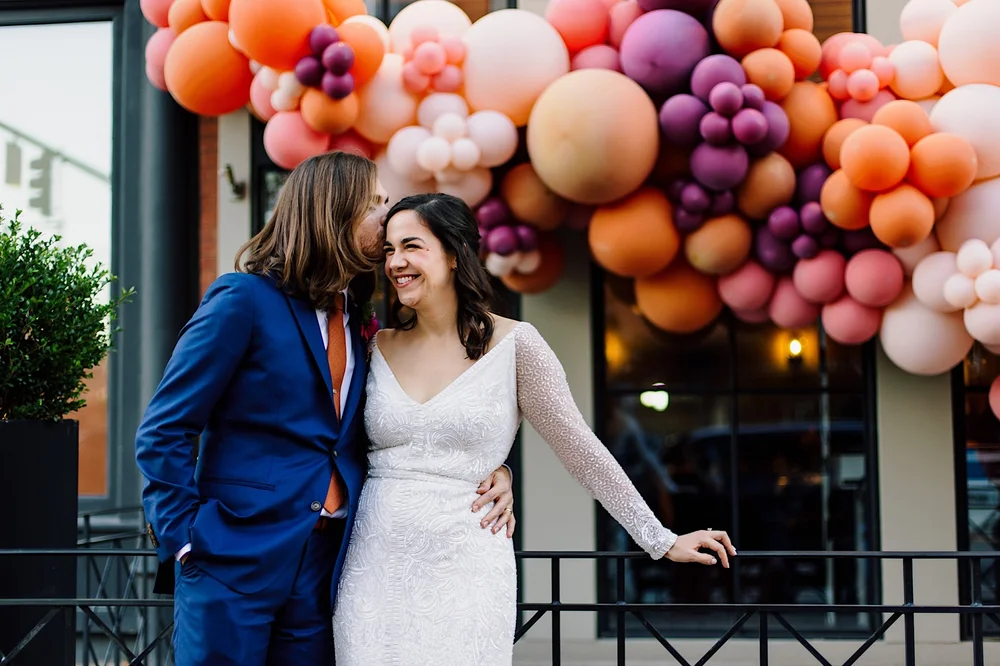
(369, 323)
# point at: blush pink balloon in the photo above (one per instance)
(837, 85)
(449, 80)
(748, 288)
(495, 135)
(352, 142)
(995, 397)
(156, 56)
(929, 277)
(156, 11)
(982, 321)
(862, 85)
(855, 56)
(850, 323)
(788, 309)
(260, 98)
(942, 343)
(620, 17)
(820, 279)
(599, 56)
(865, 111)
(289, 141)
(454, 50)
(874, 278)
(430, 58)
(414, 80)
(883, 68)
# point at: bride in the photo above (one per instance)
(422, 584)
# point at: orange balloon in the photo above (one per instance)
(902, 217)
(205, 74)
(326, 115)
(845, 205)
(797, 14)
(742, 26)
(908, 119)
(275, 34)
(368, 50)
(770, 183)
(339, 11)
(678, 299)
(548, 273)
(875, 158)
(635, 236)
(942, 165)
(810, 113)
(834, 138)
(803, 49)
(720, 245)
(772, 71)
(530, 200)
(185, 13)
(217, 10)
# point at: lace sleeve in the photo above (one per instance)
(544, 398)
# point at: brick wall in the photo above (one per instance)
(208, 169)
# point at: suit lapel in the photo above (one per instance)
(305, 317)
(360, 374)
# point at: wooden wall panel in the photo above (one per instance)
(208, 169)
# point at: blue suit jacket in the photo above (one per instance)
(250, 375)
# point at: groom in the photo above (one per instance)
(252, 530)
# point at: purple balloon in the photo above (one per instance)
(749, 126)
(676, 189)
(492, 213)
(723, 203)
(813, 220)
(695, 199)
(338, 87)
(805, 247)
(860, 239)
(712, 71)
(503, 240)
(679, 119)
(726, 99)
(693, 7)
(686, 221)
(660, 50)
(309, 71)
(338, 58)
(715, 129)
(777, 128)
(810, 181)
(753, 96)
(719, 167)
(527, 238)
(783, 222)
(321, 37)
(773, 254)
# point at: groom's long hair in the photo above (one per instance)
(308, 246)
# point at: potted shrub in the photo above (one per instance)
(55, 327)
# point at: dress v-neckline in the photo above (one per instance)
(452, 383)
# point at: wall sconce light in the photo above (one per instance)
(237, 189)
(655, 400)
(794, 350)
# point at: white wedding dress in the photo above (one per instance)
(424, 584)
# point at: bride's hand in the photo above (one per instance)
(497, 489)
(688, 547)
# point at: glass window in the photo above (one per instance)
(760, 431)
(56, 124)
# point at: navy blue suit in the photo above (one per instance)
(250, 375)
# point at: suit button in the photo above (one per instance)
(315, 506)
(335, 454)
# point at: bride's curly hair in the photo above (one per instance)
(454, 224)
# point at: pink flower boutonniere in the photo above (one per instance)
(369, 324)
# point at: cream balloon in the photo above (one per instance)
(960, 291)
(396, 185)
(968, 44)
(436, 105)
(447, 18)
(983, 323)
(971, 214)
(909, 257)
(971, 111)
(375, 24)
(401, 153)
(974, 258)
(496, 136)
(942, 344)
(924, 19)
(929, 278)
(384, 105)
(918, 72)
(473, 189)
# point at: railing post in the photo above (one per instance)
(87, 566)
(977, 618)
(620, 563)
(556, 624)
(908, 620)
(762, 615)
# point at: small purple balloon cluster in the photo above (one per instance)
(329, 66)
(726, 120)
(693, 203)
(501, 233)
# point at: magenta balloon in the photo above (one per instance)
(503, 240)
(527, 237)
(715, 129)
(338, 58)
(772, 253)
(338, 87)
(783, 222)
(723, 203)
(753, 96)
(679, 119)
(809, 182)
(813, 220)
(321, 37)
(686, 221)
(309, 71)
(676, 189)
(778, 129)
(660, 50)
(492, 213)
(726, 99)
(805, 247)
(719, 167)
(713, 70)
(749, 126)
(695, 199)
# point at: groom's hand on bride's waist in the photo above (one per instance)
(497, 489)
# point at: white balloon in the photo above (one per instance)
(282, 101)
(988, 287)
(473, 188)
(434, 154)
(496, 136)
(436, 105)
(290, 83)
(974, 258)
(268, 78)
(402, 152)
(530, 262)
(464, 154)
(960, 291)
(255, 66)
(501, 266)
(449, 126)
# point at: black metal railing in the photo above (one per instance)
(149, 645)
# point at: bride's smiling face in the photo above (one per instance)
(416, 262)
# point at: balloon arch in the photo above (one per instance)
(712, 150)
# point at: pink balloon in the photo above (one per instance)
(752, 316)
(942, 343)
(852, 108)
(449, 80)
(929, 277)
(289, 141)
(850, 323)
(995, 397)
(854, 56)
(620, 17)
(788, 309)
(156, 56)
(351, 142)
(982, 321)
(820, 279)
(874, 278)
(156, 11)
(414, 80)
(599, 56)
(748, 288)
(430, 58)
(837, 85)
(863, 85)
(260, 98)
(472, 188)
(495, 135)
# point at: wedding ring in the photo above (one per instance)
(508, 510)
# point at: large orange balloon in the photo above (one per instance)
(635, 237)
(834, 139)
(275, 34)
(327, 115)
(217, 10)
(530, 200)
(902, 217)
(205, 74)
(742, 26)
(593, 136)
(803, 49)
(772, 70)
(770, 183)
(797, 14)
(908, 119)
(942, 165)
(875, 158)
(368, 50)
(679, 299)
(184, 14)
(338, 11)
(548, 273)
(720, 245)
(810, 113)
(845, 205)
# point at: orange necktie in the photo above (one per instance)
(336, 356)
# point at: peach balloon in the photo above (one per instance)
(678, 299)
(471, 186)
(581, 23)
(368, 50)
(875, 158)
(620, 17)
(788, 309)
(810, 113)
(289, 141)
(156, 56)
(874, 278)
(593, 136)
(908, 119)
(770, 183)
(865, 111)
(275, 34)
(448, 19)
(820, 279)
(156, 12)
(942, 344)
(849, 322)
(909, 257)
(796, 14)
(549, 271)
(982, 321)
(969, 49)
(748, 288)
(720, 245)
(929, 277)
(803, 50)
(924, 19)
(971, 215)
(902, 217)
(845, 205)
(184, 14)
(971, 112)
(834, 139)
(327, 115)
(743, 26)
(375, 24)
(634, 237)
(204, 73)
(942, 165)
(385, 106)
(217, 10)
(513, 55)
(918, 72)
(530, 200)
(338, 11)
(772, 70)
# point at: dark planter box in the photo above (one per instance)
(38, 508)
